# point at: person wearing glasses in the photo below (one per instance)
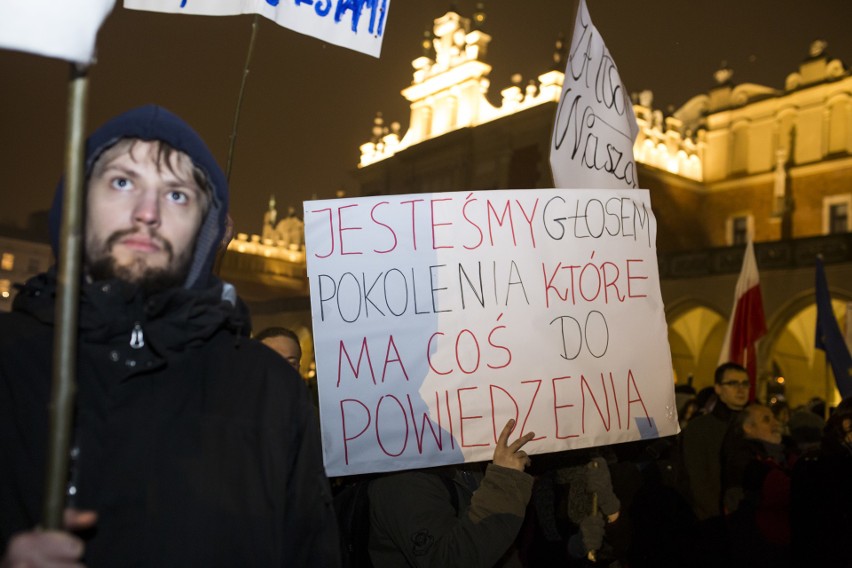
(703, 437)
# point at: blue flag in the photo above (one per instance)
(828, 336)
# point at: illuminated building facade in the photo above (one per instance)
(741, 161)
(20, 260)
(270, 274)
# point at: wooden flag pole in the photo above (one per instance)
(220, 254)
(828, 390)
(254, 26)
(68, 275)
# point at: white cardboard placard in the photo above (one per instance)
(437, 317)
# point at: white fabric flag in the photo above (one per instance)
(55, 28)
(355, 24)
(592, 145)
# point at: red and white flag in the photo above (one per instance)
(747, 323)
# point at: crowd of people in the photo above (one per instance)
(765, 481)
(195, 444)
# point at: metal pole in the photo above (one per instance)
(68, 275)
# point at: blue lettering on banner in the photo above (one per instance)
(357, 6)
(378, 11)
(270, 2)
(322, 9)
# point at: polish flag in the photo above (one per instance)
(747, 323)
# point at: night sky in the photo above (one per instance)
(309, 105)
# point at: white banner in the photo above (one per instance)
(355, 24)
(595, 126)
(55, 28)
(437, 317)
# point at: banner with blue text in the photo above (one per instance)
(354, 24)
(438, 317)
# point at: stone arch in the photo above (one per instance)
(696, 331)
(790, 364)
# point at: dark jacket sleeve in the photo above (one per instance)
(310, 533)
(413, 521)
(703, 467)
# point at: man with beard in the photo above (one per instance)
(193, 445)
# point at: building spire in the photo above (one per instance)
(817, 48)
(560, 52)
(479, 16)
(379, 128)
(724, 74)
(427, 45)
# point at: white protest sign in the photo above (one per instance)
(595, 126)
(55, 28)
(438, 317)
(355, 24)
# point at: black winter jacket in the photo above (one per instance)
(197, 446)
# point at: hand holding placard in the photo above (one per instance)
(512, 455)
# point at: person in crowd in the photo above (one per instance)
(755, 435)
(286, 343)
(685, 402)
(573, 512)
(192, 445)
(660, 524)
(817, 406)
(822, 497)
(703, 436)
(806, 429)
(283, 341)
(705, 399)
(448, 517)
(756, 483)
(688, 411)
(782, 412)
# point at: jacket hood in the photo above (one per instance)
(154, 123)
